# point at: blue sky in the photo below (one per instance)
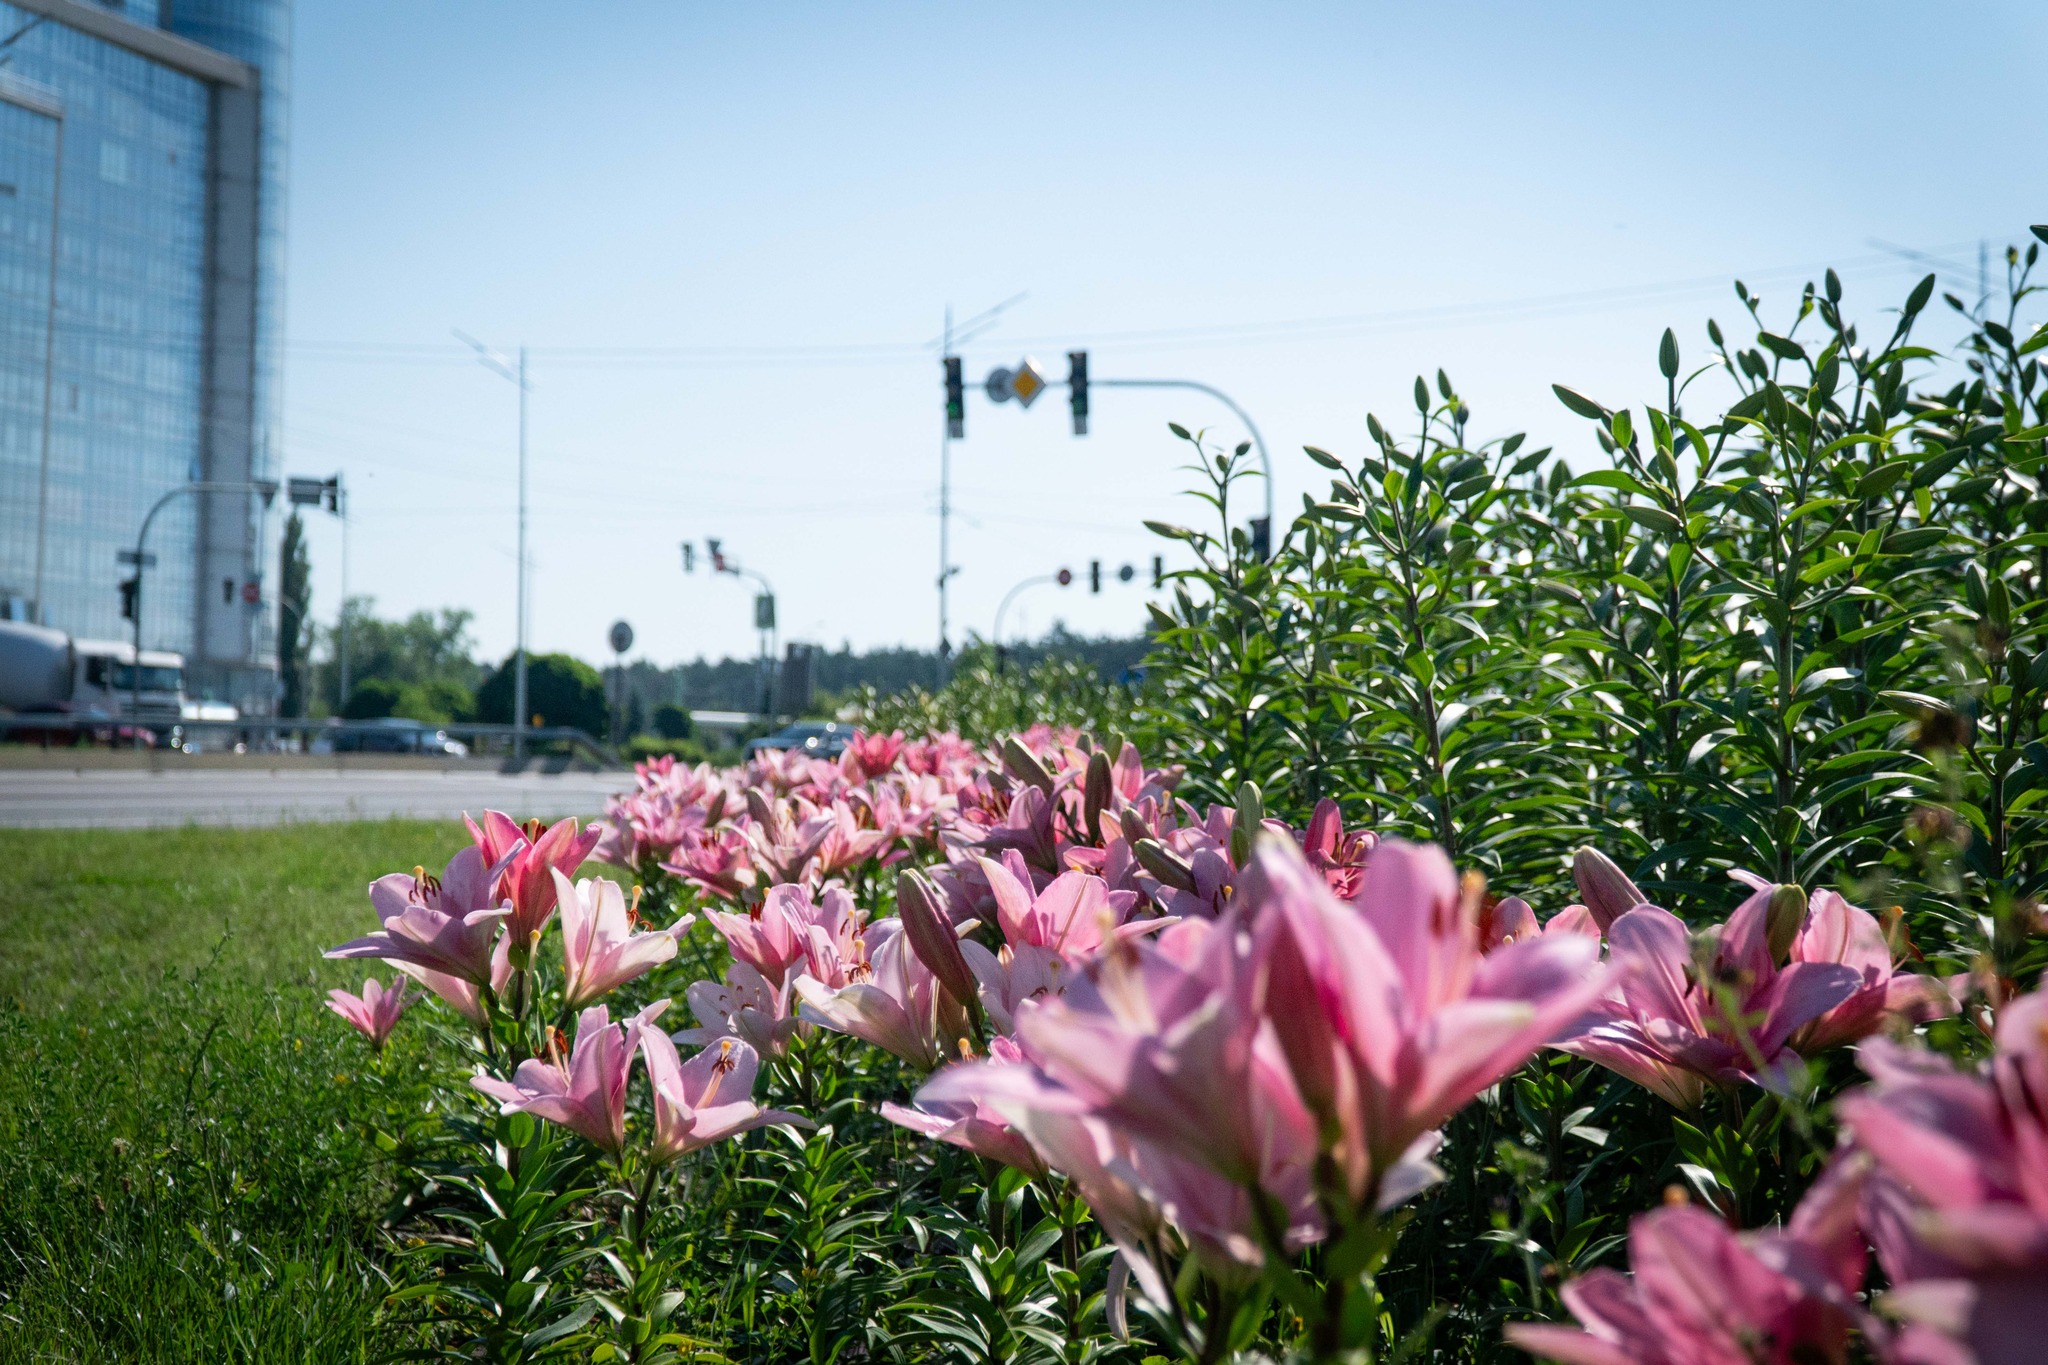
(1522, 194)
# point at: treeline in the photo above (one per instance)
(424, 667)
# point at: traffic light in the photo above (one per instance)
(128, 590)
(1126, 574)
(689, 557)
(1158, 571)
(1077, 389)
(1095, 575)
(1262, 539)
(1065, 577)
(717, 555)
(956, 399)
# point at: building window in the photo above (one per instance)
(113, 162)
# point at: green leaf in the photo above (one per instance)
(1881, 480)
(1653, 519)
(1919, 538)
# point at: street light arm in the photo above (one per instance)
(1011, 596)
(1258, 441)
(269, 490)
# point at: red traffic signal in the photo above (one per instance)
(1065, 577)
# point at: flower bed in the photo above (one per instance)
(1201, 1063)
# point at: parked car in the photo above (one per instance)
(818, 738)
(396, 735)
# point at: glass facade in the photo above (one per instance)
(155, 360)
(122, 351)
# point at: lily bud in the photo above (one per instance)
(1605, 888)
(1095, 795)
(932, 938)
(1133, 827)
(1783, 921)
(1023, 765)
(1251, 812)
(1163, 863)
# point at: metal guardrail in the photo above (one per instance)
(309, 730)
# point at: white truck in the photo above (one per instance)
(45, 671)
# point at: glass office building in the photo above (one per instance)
(142, 165)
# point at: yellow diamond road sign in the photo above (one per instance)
(1026, 383)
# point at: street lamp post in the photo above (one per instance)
(264, 487)
(506, 368)
(1258, 441)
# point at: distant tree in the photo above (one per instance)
(672, 721)
(295, 580)
(560, 689)
(425, 648)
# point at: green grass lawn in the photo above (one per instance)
(179, 1176)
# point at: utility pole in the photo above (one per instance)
(341, 509)
(516, 372)
(956, 414)
(519, 714)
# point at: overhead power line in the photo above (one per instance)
(1277, 331)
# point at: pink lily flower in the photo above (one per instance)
(443, 924)
(969, 1122)
(704, 1100)
(1027, 827)
(846, 844)
(774, 935)
(600, 951)
(1390, 1018)
(785, 835)
(1836, 931)
(467, 997)
(745, 1007)
(1164, 1042)
(1512, 921)
(1335, 853)
(1674, 1024)
(892, 1001)
(1148, 1197)
(525, 881)
(718, 861)
(1074, 916)
(1969, 1264)
(1012, 975)
(375, 1012)
(586, 1094)
(868, 756)
(1705, 1295)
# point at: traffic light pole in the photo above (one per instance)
(268, 490)
(1258, 441)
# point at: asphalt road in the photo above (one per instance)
(132, 799)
